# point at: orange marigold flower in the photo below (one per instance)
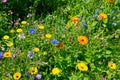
(82, 40)
(111, 1)
(75, 20)
(102, 16)
(60, 45)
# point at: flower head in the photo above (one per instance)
(32, 31)
(19, 30)
(30, 54)
(21, 36)
(111, 1)
(4, 1)
(75, 20)
(24, 22)
(82, 66)
(41, 27)
(48, 35)
(36, 49)
(38, 76)
(44, 53)
(12, 31)
(54, 41)
(33, 70)
(60, 45)
(10, 44)
(102, 16)
(7, 54)
(112, 65)
(1, 54)
(6, 37)
(82, 40)
(17, 75)
(55, 71)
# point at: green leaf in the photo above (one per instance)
(108, 52)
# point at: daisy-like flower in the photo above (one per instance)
(32, 31)
(102, 16)
(82, 66)
(38, 76)
(48, 35)
(24, 22)
(44, 53)
(111, 1)
(75, 20)
(12, 31)
(36, 49)
(112, 65)
(4, 1)
(7, 54)
(10, 44)
(55, 71)
(17, 75)
(19, 30)
(82, 40)
(21, 36)
(6, 37)
(60, 45)
(30, 54)
(33, 70)
(41, 27)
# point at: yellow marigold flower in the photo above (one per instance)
(24, 22)
(102, 16)
(12, 31)
(10, 44)
(7, 54)
(19, 30)
(17, 75)
(41, 27)
(36, 49)
(111, 1)
(112, 65)
(44, 53)
(55, 71)
(75, 20)
(48, 35)
(6, 37)
(82, 66)
(82, 40)
(33, 70)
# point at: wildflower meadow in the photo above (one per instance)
(60, 40)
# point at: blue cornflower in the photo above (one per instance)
(32, 31)
(30, 54)
(54, 41)
(1, 54)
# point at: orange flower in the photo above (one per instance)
(74, 20)
(111, 1)
(82, 40)
(102, 16)
(60, 45)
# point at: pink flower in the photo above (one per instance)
(4, 1)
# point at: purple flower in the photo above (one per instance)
(32, 31)
(54, 41)
(30, 54)
(102, 78)
(4, 1)
(38, 76)
(1, 54)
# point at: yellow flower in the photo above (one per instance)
(111, 1)
(7, 54)
(82, 40)
(102, 16)
(112, 65)
(6, 37)
(48, 35)
(24, 22)
(33, 70)
(41, 27)
(55, 71)
(82, 66)
(17, 75)
(75, 20)
(12, 31)
(36, 49)
(44, 53)
(19, 30)
(10, 44)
